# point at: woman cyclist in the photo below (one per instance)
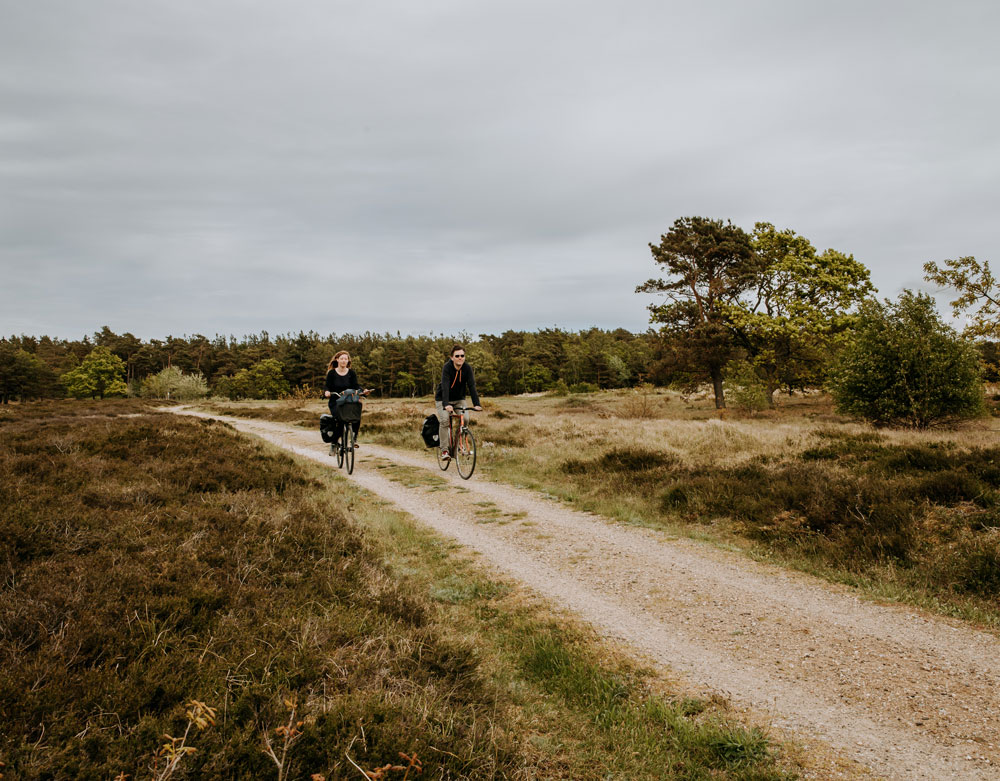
(341, 377)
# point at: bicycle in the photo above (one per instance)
(461, 444)
(348, 413)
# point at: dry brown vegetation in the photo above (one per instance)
(163, 574)
(909, 515)
(151, 560)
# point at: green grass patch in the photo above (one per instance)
(585, 711)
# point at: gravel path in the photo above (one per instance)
(909, 695)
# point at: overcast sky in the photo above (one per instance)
(172, 167)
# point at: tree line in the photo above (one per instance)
(263, 366)
(752, 311)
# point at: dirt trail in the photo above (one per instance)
(909, 695)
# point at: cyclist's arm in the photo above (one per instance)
(472, 388)
(445, 384)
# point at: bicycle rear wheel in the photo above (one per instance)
(465, 453)
(349, 446)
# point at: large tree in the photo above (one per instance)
(709, 264)
(767, 297)
(798, 305)
(100, 374)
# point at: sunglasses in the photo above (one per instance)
(459, 355)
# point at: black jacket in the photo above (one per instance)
(455, 384)
(337, 384)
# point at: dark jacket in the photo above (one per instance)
(455, 384)
(337, 384)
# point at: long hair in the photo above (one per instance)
(333, 361)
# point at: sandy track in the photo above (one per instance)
(909, 695)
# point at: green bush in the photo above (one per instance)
(559, 388)
(172, 383)
(905, 367)
(744, 387)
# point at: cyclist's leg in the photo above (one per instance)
(442, 414)
(356, 425)
(337, 425)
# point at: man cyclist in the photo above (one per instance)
(457, 379)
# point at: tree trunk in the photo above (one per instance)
(720, 396)
(771, 389)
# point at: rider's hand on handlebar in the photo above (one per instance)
(477, 408)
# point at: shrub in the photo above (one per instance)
(951, 487)
(745, 389)
(982, 572)
(583, 387)
(172, 383)
(559, 388)
(621, 460)
(905, 367)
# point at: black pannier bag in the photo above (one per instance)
(349, 411)
(430, 431)
(327, 428)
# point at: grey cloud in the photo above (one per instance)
(236, 163)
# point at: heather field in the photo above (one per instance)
(179, 600)
(905, 515)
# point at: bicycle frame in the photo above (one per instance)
(461, 444)
(463, 418)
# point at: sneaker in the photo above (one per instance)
(356, 445)
(444, 455)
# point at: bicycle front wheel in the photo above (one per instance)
(465, 453)
(349, 447)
